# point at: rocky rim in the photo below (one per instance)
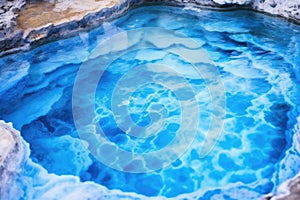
(24, 23)
(50, 19)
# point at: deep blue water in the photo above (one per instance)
(225, 84)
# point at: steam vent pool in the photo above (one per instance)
(163, 101)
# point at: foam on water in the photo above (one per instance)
(258, 60)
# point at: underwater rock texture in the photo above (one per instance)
(290, 189)
(52, 182)
(20, 177)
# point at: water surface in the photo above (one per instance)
(257, 58)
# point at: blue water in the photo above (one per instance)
(220, 88)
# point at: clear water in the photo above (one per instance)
(257, 58)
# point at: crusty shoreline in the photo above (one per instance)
(15, 37)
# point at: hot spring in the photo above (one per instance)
(163, 101)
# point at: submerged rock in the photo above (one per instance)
(289, 189)
(19, 175)
(20, 178)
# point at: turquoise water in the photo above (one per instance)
(223, 85)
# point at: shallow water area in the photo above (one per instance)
(156, 80)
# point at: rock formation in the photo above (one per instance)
(21, 178)
(8, 9)
(14, 38)
(14, 152)
(290, 189)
